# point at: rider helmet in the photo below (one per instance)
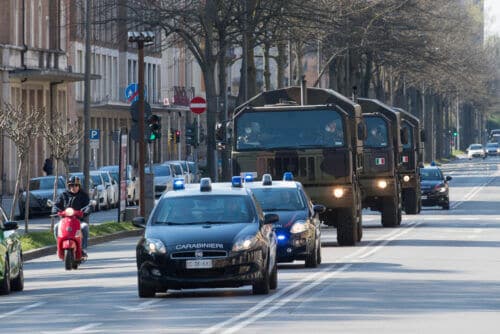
(74, 180)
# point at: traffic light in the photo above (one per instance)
(191, 134)
(455, 134)
(171, 135)
(154, 126)
(177, 136)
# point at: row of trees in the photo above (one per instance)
(23, 125)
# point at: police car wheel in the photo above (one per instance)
(262, 286)
(312, 258)
(144, 290)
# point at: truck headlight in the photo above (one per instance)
(155, 246)
(244, 243)
(338, 192)
(406, 178)
(298, 227)
(382, 184)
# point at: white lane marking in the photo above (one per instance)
(472, 193)
(244, 319)
(141, 306)
(82, 329)
(22, 309)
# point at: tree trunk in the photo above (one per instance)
(16, 189)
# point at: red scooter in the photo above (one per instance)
(69, 238)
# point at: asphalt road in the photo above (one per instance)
(437, 273)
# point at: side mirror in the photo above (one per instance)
(50, 203)
(93, 203)
(361, 131)
(319, 208)
(422, 135)
(448, 178)
(139, 222)
(405, 135)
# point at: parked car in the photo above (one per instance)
(11, 257)
(189, 169)
(41, 190)
(434, 187)
(112, 188)
(163, 178)
(475, 151)
(492, 149)
(132, 181)
(103, 198)
(177, 169)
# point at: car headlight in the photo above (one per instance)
(155, 246)
(382, 184)
(244, 243)
(298, 227)
(338, 192)
(440, 188)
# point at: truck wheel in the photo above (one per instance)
(347, 230)
(411, 202)
(389, 212)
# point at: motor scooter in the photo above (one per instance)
(69, 238)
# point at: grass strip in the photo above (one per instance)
(34, 240)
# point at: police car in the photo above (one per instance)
(298, 229)
(207, 235)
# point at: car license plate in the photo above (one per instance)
(198, 264)
(424, 196)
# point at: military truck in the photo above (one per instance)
(412, 160)
(290, 130)
(382, 152)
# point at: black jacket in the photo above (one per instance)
(78, 201)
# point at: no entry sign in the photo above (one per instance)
(198, 105)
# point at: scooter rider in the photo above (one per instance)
(78, 199)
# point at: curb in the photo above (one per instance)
(49, 250)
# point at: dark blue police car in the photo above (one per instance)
(207, 235)
(298, 229)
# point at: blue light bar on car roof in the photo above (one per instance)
(288, 176)
(179, 183)
(236, 182)
(205, 184)
(248, 177)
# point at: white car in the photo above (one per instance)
(475, 151)
(163, 178)
(112, 189)
(132, 182)
(102, 197)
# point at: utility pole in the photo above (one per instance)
(141, 38)
(86, 102)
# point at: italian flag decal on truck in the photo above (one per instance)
(379, 161)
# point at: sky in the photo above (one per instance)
(492, 17)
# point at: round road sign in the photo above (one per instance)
(198, 105)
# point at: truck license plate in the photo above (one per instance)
(198, 264)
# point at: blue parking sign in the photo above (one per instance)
(94, 134)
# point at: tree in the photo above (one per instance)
(62, 137)
(22, 125)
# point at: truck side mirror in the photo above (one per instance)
(422, 135)
(404, 136)
(361, 131)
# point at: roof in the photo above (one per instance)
(218, 188)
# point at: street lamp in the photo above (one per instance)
(141, 38)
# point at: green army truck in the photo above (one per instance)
(412, 160)
(317, 135)
(382, 152)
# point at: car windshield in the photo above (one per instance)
(96, 179)
(46, 183)
(177, 169)
(476, 147)
(113, 170)
(492, 145)
(431, 174)
(159, 170)
(279, 199)
(211, 209)
(105, 177)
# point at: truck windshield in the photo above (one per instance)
(289, 129)
(376, 132)
(409, 144)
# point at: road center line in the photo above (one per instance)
(244, 319)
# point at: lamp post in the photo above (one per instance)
(141, 38)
